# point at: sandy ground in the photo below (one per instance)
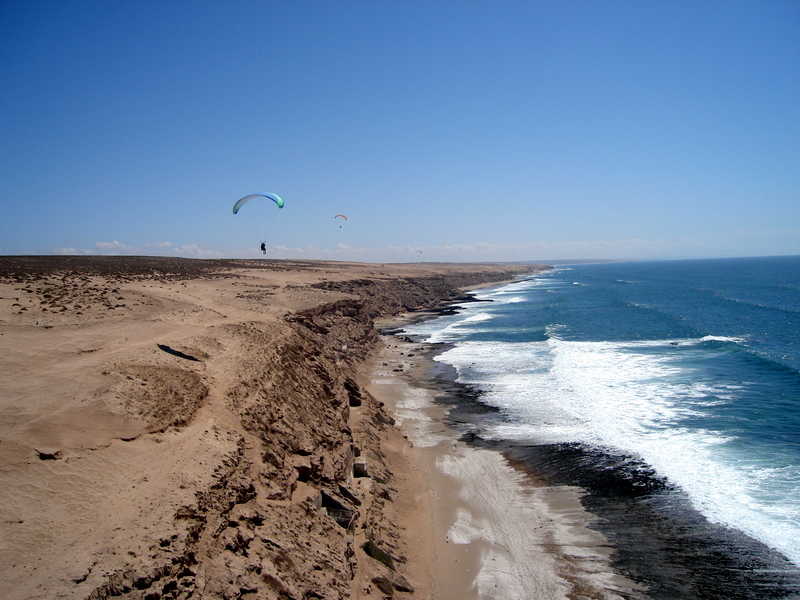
(484, 529)
(148, 448)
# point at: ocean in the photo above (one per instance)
(669, 391)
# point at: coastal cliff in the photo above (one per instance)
(242, 459)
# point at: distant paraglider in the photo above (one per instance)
(342, 217)
(245, 199)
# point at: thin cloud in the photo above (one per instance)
(479, 251)
(164, 248)
(197, 251)
(115, 245)
(73, 251)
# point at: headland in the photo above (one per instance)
(177, 428)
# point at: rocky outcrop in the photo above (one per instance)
(378, 297)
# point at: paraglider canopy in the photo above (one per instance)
(244, 200)
(340, 216)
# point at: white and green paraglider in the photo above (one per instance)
(245, 199)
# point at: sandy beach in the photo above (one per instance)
(489, 530)
(214, 429)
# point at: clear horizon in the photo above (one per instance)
(459, 132)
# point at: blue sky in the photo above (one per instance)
(466, 130)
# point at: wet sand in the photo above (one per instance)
(490, 528)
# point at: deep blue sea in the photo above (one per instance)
(692, 367)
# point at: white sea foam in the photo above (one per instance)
(624, 396)
(478, 318)
(613, 395)
(513, 522)
(410, 412)
(722, 338)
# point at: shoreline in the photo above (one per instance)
(506, 532)
(654, 534)
(182, 428)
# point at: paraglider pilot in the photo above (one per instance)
(264, 248)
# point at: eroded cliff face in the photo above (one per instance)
(296, 506)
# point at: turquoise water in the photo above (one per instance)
(693, 367)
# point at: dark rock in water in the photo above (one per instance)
(373, 551)
(661, 540)
(391, 331)
(609, 475)
(470, 437)
(444, 311)
(465, 298)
